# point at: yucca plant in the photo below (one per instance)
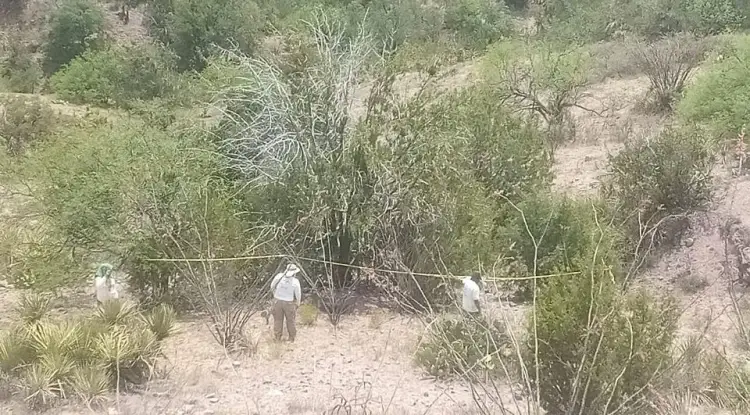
(91, 384)
(53, 337)
(59, 365)
(145, 349)
(116, 312)
(32, 307)
(41, 386)
(15, 350)
(122, 351)
(162, 321)
(88, 332)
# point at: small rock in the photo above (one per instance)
(210, 396)
(208, 412)
(266, 382)
(689, 242)
(112, 411)
(426, 395)
(236, 363)
(192, 401)
(214, 400)
(275, 392)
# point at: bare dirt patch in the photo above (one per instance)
(610, 117)
(696, 273)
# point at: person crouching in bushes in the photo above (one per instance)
(287, 295)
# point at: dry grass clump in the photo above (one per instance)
(308, 314)
(49, 360)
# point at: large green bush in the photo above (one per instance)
(477, 23)
(557, 235)
(191, 28)
(76, 26)
(115, 76)
(425, 169)
(653, 183)
(597, 20)
(595, 349)
(719, 97)
(135, 192)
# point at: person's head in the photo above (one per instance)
(476, 277)
(104, 271)
(291, 270)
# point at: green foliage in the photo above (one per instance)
(477, 23)
(367, 193)
(542, 79)
(710, 17)
(19, 67)
(597, 348)
(161, 320)
(115, 312)
(115, 76)
(469, 25)
(457, 346)
(585, 21)
(668, 64)
(558, 235)
(392, 23)
(33, 307)
(76, 26)
(718, 98)
(26, 122)
(652, 179)
(56, 359)
(191, 28)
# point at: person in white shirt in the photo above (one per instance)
(105, 285)
(472, 291)
(287, 294)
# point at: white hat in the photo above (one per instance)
(291, 270)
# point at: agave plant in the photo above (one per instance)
(53, 337)
(91, 384)
(88, 332)
(41, 386)
(162, 321)
(33, 307)
(116, 312)
(15, 350)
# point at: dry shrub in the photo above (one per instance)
(654, 184)
(463, 346)
(308, 314)
(24, 122)
(668, 64)
(542, 81)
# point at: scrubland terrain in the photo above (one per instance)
(589, 158)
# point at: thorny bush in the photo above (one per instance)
(459, 346)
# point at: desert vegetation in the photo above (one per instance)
(389, 148)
